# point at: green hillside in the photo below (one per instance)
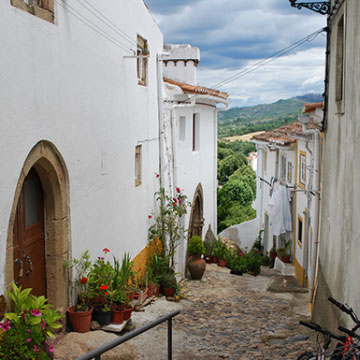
(243, 120)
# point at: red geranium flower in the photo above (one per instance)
(106, 293)
(106, 250)
(103, 287)
(178, 190)
(157, 175)
(84, 280)
(149, 216)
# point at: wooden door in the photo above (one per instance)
(29, 237)
(197, 221)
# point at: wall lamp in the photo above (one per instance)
(321, 7)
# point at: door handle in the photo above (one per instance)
(28, 259)
(21, 271)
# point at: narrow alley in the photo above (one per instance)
(223, 316)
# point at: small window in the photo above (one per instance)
(138, 165)
(300, 230)
(142, 60)
(289, 172)
(43, 9)
(196, 132)
(182, 123)
(264, 161)
(283, 167)
(302, 169)
(339, 89)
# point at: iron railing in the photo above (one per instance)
(96, 354)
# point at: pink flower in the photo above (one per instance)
(29, 331)
(51, 348)
(36, 313)
(178, 190)
(157, 175)
(36, 348)
(28, 340)
(101, 258)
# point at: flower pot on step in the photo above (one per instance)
(80, 320)
(102, 317)
(196, 266)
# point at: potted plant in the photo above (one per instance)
(238, 265)
(209, 248)
(168, 283)
(24, 331)
(119, 302)
(219, 252)
(195, 263)
(284, 253)
(272, 253)
(81, 313)
(253, 262)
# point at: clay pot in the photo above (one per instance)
(196, 266)
(80, 320)
(272, 255)
(127, 313)
(222, 263)
(117, 315)
(168, 292)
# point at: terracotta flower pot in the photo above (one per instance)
(196, 266)
(117, 316)
(272, 255)
(222, 263)
(169, 292)
(127, 313)
(80, 320)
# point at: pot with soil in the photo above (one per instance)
(80, 320)
(195, 264)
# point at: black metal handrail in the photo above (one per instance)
(96, 354)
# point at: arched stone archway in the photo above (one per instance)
(51, 169)
(196, 217)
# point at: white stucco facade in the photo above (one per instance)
(66, 84)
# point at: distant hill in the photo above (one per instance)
(243, 120)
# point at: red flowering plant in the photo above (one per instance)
(166, 221)
(24, 332)
(80, 271)
(100, 280)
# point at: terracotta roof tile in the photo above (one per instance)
(195, 89)
(282, 135)
(311, 107)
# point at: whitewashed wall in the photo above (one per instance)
(65, 83)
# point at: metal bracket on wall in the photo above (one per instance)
(321, 7)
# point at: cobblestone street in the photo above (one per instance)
(226, 317)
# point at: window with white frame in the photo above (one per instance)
(283, 167)
(196, 132)
(138, 151)
(142, 60)
(182, 127)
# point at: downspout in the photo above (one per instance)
(315, 244)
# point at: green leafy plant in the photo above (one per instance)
(196, 246)
(165, 223)
(24, 332)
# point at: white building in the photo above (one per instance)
(340, 193)
(289, 160)
(83, 132)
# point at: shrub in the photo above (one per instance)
(196, 246)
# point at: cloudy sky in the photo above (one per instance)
(234, 35)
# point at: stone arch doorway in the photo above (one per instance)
(196, 218)
(45, 161)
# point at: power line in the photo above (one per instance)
(107, 21)
(270, 58)
(94, 27)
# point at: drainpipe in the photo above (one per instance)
(315, 186)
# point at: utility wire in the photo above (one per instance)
(270, 58)
(94, 27)
(108, 22)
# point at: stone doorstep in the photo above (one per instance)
(117, 328)
(285, 269)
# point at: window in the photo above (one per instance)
(43, 9)
(182, 123)
(302, 169)
(138, 165)
(300, 230)
(142, 55)
(264, 161)
(289, 172)
(196, 132)
(339, 89)
(283, 167)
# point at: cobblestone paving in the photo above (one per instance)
(233, 317)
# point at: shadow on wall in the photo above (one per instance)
(244, 234)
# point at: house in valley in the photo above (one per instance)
(87, 121)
